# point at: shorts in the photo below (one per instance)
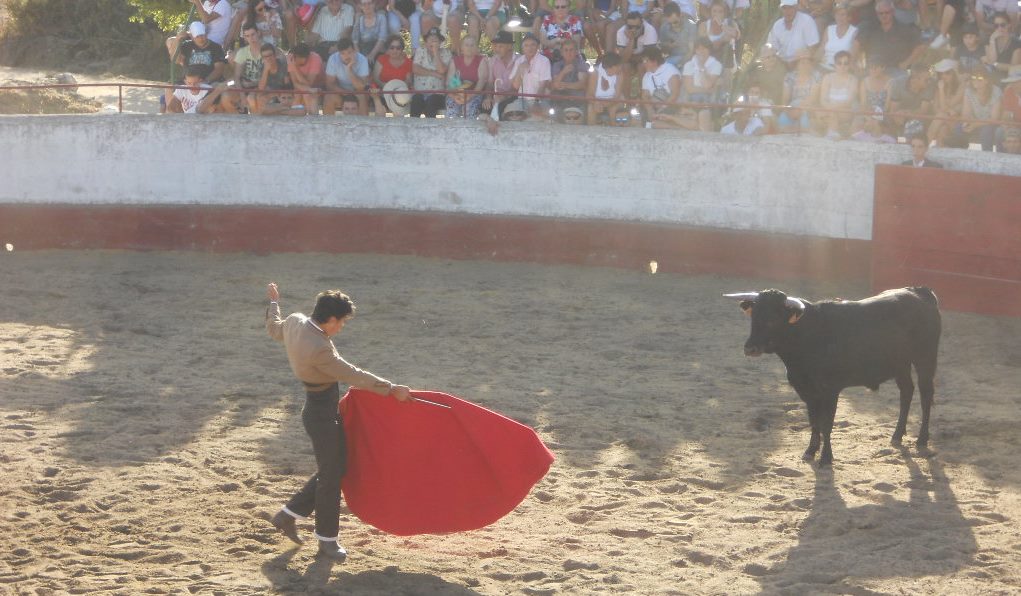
(501, 15)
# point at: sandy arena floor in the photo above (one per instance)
(146, 421)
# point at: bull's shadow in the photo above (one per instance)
(842, 547)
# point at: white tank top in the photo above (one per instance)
(836, 44)
(607, 90)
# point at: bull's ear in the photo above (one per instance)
(746, 306)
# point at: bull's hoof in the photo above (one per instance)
(825, 462)
(809, 454)
(896, 440)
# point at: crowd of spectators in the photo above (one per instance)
(947, 72)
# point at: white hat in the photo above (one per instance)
(196, 29)
(788, 3)
(1013, 75)
(945, 65)
(399, 103)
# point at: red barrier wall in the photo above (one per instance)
(956, 232)
(676, 249)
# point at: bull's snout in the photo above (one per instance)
(752, 350)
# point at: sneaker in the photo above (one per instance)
(939, 42)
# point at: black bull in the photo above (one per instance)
(834, 344)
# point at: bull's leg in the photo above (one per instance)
(827, 412)
(813, 420)
(926, 391)
(907, 389)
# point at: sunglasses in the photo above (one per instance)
(1003, 25)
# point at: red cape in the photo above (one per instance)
(416, 468)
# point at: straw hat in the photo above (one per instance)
(399, 103)
(1013, 75)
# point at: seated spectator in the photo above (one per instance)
(350, 106)
(770, 72)
(216, 16)
(982, 101)
(556, 27)
(604, 84)
(947, 101)
(370, 31)
(267, 20)
(573, 115)
(346, 71)
(198, 98)
(745, 123)
(875, 86)
(331, 24)
(801, 90)
(431, 67)
(193, 47)
(393, 64)
(308, 76)
(874, 129)
(919, 153)
(432, 18)
(677, 35)
(700, 81)
(895, 44)
(762, 107)
(274, 78)
(986, 11)
(632, 38)
(723, 33)
(501, 69)
(838, 91)
(485, 15)
(247, 71)
(1011, 140)
(969, 52)
(793, 32)
(911, 99)
(841, 36)
(533, 73)
(1004, 48)
(662, 84)
(470, 72)
(569, 75)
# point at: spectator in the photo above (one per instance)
(895, 44)
(1003, 49)
(745, 123)
(347, 72)
(1011, 108)
(470, 72)
(501, 69)
(569, 74)
(199, 51)
(919, 157)
(431, 66)
(332, 24)
(873, 130)
(761, 105)
(952, 17)
(274, 78)
(1011, 141)
(970, 52)
(432, 18)
(677, 35)
(370, 31)
(558, 26)
(216, 16)
(841, 36)
(485, 15)
(801, 90)
(605, 85)
(267, 19)
(793, 32)
(661, 83)
(947, 102)
(533, 72)
(308, 76)
(393, 64)
(911, 99)
(350, 106)
(986, 11)
(700, 79)
(247, 71)
(723, 33)
(198, 98)
(982, 101)
(838, 91)
(770, 72)
(632, 39)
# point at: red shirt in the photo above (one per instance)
(389, 72)
(312, 70)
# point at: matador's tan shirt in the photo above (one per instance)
(313, 357)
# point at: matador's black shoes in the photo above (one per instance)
(285, 523)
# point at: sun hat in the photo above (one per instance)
(503, 37)
(196, 29)
(784, 3)
(399, 103)
(1013, 75)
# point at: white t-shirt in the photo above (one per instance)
(649, 37)
(538, 71)
(660, 79)
(190, 101)
(697, 72)
(217, 29)
(753, 125)
(802, 34)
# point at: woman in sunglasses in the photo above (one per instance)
(981, 102)
(370, 31)
(838, 92)
(1004, 48)
(392, 64)
(556, 27)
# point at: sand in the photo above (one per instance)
(147, 422)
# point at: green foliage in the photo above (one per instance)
(168, 15)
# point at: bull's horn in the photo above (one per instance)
(743, 296)
(795, 303)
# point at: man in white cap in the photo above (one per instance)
(792, 32)
(192, 49)
(216, 16)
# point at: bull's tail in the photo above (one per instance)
(926, 293)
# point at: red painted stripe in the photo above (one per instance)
(676, 249)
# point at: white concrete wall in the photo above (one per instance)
(773, 184)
